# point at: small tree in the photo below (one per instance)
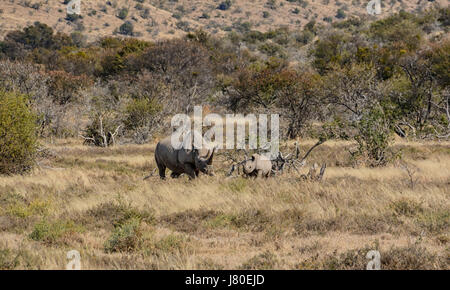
(18, 142)
(225, 5)
(374, 137)
(142, 117)
(127, 28)
(123, 13)
(341, 14)
(105, 121)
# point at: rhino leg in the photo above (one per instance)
(162, 171)
(260, 174)
(175, 175)
(190, 170)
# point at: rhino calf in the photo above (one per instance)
(179, 161)
(257, 166)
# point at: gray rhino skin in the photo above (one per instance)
(257, 166)
(180, 161)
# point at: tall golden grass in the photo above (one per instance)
(95, 201)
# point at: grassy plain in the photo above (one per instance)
(95, 201)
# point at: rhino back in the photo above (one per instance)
(265, 165)
(168, 156)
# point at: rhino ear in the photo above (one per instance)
(195, 152)
(254, 157)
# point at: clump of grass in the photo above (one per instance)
(115, 214)
(219, 221)
(189, 221)
(352, 259)
(314, 225)
(263, 261)
(406, 207)
(435, 221)
(8, 261)
(16, 205)
(24, 210)
(126, 237)
(209, 264)
(412, 257)
(18, 259)
(172, 244)
(253, 220)
(54, 232)
(237, 185)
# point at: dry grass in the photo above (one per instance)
(96, 201)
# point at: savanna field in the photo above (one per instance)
(85, 97)
(96, 201)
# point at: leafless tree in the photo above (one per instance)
(352, 88)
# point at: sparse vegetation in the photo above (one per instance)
(100, 200)
(80, 117)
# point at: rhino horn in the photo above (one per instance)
(210, 159)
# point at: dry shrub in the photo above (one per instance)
(172, 244)
(412, 257)
(18, 259)
(55, 233)
(253, 220)
(189, 221)
(263, 261)
(113, 214)
(126, 237)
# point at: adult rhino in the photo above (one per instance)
(179, 161)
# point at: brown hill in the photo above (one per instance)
(159, 19)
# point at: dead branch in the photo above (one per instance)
(320, 142)
(151, 174)
(41, 166)
(312, 173)
(87, 138)
(235, 166)
(113, 135)
(290, 161)
(102, 133)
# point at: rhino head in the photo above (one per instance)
(204, 163)
(250, 165)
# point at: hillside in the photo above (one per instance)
(159, 19)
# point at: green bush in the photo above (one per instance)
(225, 5)
(54, 232)
(126, 237)
(140, 112)
(374, 137)
(127, 28)
(341, 14)
(18, 142)
(123, 13)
